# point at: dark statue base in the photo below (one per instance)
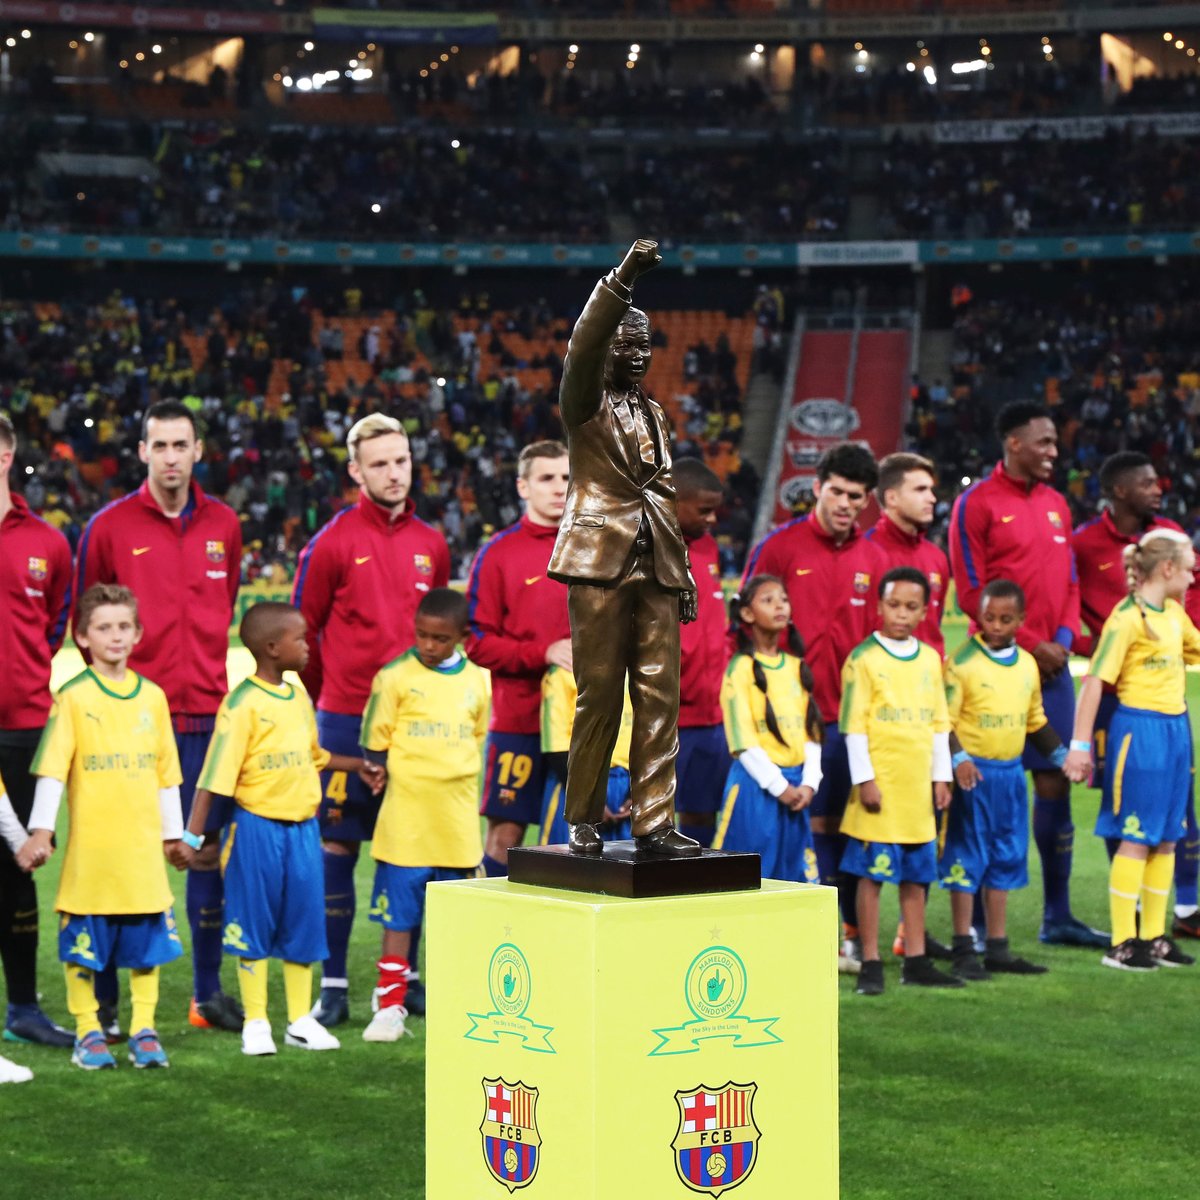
(624, 871)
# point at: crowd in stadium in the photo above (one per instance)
(1125, 182)
(1120, 370)
(75, 379)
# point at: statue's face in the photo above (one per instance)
(629, 355)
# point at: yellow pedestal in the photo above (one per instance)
(584, 1046)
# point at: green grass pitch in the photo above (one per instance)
(1072, 1085)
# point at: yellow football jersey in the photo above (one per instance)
(899, 703)
(1147, 673)
(993, 704)
(432, 724)
(744, 707)
(559, 694)
(264, 751)
(113, 746)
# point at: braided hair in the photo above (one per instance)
(1144, 557)
(795, 646)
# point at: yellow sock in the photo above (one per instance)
(252, 983)
(81, 999)
(1156, 887)
(1124, 887)
(143, 990)
(297, 986)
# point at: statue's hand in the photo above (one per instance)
(689, 608)
(643, 256)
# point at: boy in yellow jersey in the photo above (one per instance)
(110, 743)
(264, 753)
(897, 734)
(1143, 648)
(994, 695)
(427, 720)
(558, 717)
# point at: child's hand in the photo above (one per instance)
(1078, 766)
(870, 797)
(968, 775)
(179, 854)
(942, 794)
(36, 851)
(373, 775)
(621, 812)
(795, 797)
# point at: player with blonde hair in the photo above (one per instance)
(1143, 648)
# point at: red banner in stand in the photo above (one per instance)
(128, 16)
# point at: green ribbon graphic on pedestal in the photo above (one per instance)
(510, 985)
(715, 987)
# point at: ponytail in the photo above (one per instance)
(1142, 559)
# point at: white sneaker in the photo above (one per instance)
(387, 1025)
(256, 1038)
(11, 1072)
(309, 1034)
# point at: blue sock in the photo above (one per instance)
(1187, 863)
(703, 834)
(108, 990)
(829, 857)
(1111, 845)
(206, 919)
(1055, 838)
(494, 869)
(414, 948)
(340, 904)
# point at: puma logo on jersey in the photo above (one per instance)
(1005, 520)
(358, 562)
(137, 550)
(532, 580)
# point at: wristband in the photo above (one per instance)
(1083, 747)
(195, 840)
(958, 759)
(1058, 755)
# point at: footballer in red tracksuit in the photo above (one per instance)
(902, 549)
(831, 574)
(517, 625)
(35, 598)
(515, 612)
(185, 573)
(1099, 555)
(703, 762)
(358, 583)
(1013, 525)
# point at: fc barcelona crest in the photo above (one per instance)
(716, 1146)
(37, 568)
(511, 1142)
(423, 564)
(215, 551)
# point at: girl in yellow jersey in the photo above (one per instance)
(558, 717)
(1147, 780)
(774, 733)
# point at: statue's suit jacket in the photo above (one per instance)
(611, 489)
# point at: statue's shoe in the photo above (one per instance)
(585, 840)
(667, 841)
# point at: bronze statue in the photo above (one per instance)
(621, 551)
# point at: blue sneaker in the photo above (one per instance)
(333, 1007)
(145, 1050)
(92, 1054)
(414, 1001)
(27, 1023)
(1072, 932)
